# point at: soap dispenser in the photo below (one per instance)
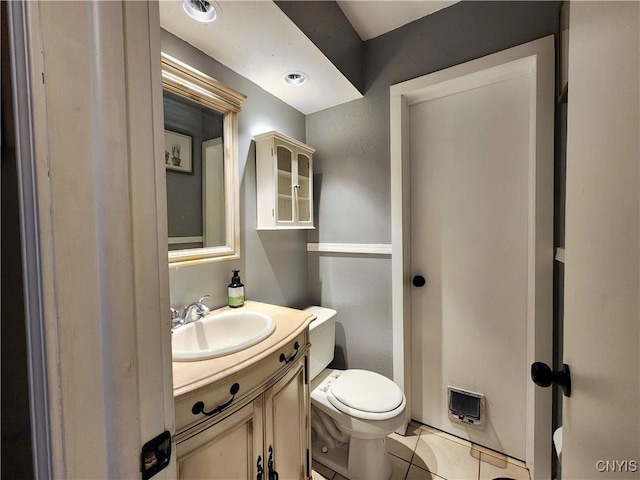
(236, 291)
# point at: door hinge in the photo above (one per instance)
(308, 464)
(306, 370)
(155, 455)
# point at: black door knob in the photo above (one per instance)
(419, 281)
(543, 376)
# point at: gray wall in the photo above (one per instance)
(273, 265)
(353, 166)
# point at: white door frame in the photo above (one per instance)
(91, 140)
(536, 58)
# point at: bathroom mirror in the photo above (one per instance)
(200, 135)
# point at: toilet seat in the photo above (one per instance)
(366, 395)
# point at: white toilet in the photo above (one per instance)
(352, 411)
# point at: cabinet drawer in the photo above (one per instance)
(224, 396)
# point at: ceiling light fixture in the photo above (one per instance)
(200, 10)
(295, 79)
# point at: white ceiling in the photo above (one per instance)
(258, 41)
(371, 18)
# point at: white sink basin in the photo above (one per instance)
(220, 334)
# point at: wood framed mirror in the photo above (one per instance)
(201, 160)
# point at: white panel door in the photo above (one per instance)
(469, 197)
(601, 419)
(473, 145)
(472, 203)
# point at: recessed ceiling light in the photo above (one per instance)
(200, 10)
(295, 79)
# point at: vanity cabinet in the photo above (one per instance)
(287, 428)
(226, 449)
(284, 177)
(261, 429)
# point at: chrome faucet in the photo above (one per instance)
(201, 309)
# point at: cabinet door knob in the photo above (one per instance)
(260, 469)
(273, 475)
(198, 407)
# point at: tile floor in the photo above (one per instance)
(429, 454)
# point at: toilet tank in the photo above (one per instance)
(322, 334)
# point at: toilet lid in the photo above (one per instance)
(366, 392)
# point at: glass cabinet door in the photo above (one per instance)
(285, 190)
(304, 186)
(284, 183)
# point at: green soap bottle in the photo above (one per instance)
(236, 291)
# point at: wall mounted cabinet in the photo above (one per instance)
(284, 177)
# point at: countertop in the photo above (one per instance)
(189, 376)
